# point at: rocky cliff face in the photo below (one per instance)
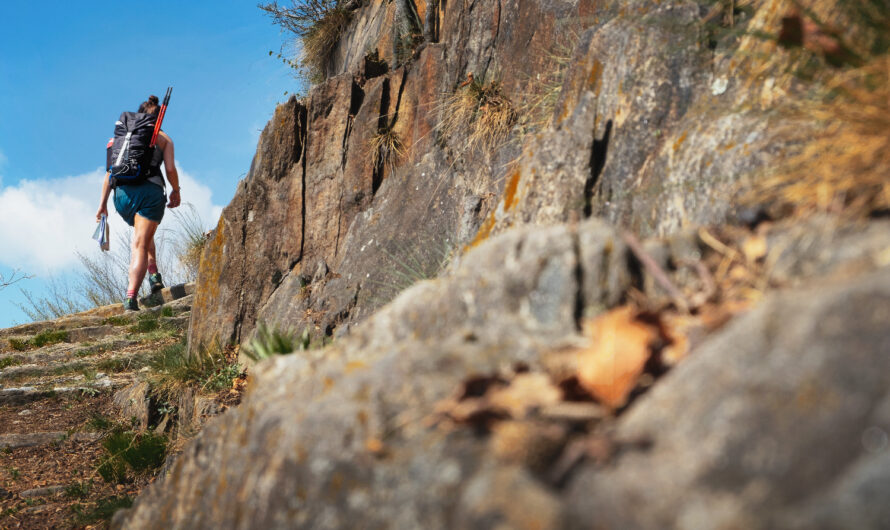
(432, 409)
(318, 235)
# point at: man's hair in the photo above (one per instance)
(151, 106)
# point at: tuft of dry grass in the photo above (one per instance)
(386, 148)
(318, 24)
(845, 167)
(842, 33)
(320, 41)
(539, 101)
(482, 109)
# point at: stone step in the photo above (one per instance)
(69, 322)
(46, 491)
(28, 394)
(99, 316)
(33, 439)
(168, 294)
(67, 352)
(113, 363)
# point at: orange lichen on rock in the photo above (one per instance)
(510, 190)
(484, 231)
(680, 141)
(595, 78)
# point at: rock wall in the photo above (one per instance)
(318, 235)
(775, 420)
(657, 117)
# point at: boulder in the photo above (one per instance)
(779, 421)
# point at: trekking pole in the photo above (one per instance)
(154, 135)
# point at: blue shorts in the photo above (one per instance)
(146, 199)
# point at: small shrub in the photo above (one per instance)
(270, 342)
(78, 489)
(6, 362)
(319, 24)
(480, 108)
(18, 344)
(49, 337)
(166, 311)
(128, 452)
(221, 378)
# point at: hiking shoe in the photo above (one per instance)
(130, 304)
(155, 282)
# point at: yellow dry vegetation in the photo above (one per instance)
(386, 148)
(845, 166)
(480, 108)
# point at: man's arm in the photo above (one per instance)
(103, 203)
(166, 145)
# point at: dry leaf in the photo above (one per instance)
(526, 392)
(618, 352)
(754, 247)
(374, 445)
(677, 328)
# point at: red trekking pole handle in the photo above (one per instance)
(154, 135)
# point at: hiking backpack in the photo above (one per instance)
(129, 158)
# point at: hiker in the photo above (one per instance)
(141, 201)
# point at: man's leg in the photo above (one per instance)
(151, 254)
(143, 236)
(155, 282)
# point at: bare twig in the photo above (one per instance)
(15, 277)
(656, 271)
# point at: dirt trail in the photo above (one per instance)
(57, 382)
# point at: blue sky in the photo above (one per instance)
(67, 70)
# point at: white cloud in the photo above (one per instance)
(43, 222)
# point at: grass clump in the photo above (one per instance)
(271, 342)
(145, 323)
(49, 337)
(103, 510)
(480, 108)
(318, 24)
(173, 369)
(78, 489)
(98, 422)
(121, 364)
(844, 167)
(18, 344)
(188, 240)
(386, 148)
(43, 338)
(128, 452)
(117, 321)
(6, 362)
(538, 104)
